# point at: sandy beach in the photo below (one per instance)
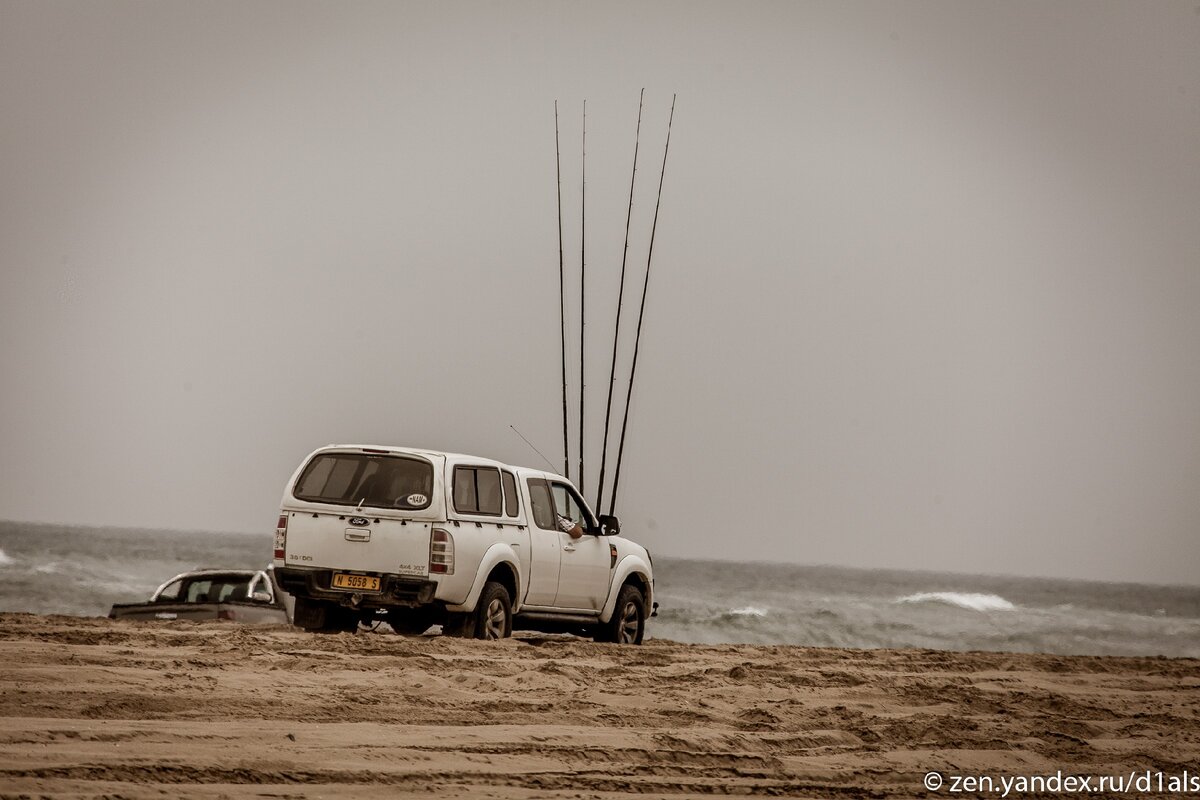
(93, 708)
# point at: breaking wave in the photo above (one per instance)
(972, 601)
(748, 611)
(5, 559)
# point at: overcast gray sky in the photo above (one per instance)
(926, 287)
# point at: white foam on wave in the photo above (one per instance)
(973, 601)
(5, 559)
(748, 611)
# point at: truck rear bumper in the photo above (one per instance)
(396, 590)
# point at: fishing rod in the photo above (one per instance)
(641, 314)
(612, 375)
(562, 301)
(582, 281)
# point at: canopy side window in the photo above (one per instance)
(477, 490)
(511, 503)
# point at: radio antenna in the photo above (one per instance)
(562, 302)
(641, 314)
(612, 375)
(582, 281)
(539, 452)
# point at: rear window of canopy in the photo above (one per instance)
(376, 481)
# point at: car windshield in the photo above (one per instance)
(379, 481)
(217, 589)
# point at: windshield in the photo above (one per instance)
(217, 589)
(378, 481)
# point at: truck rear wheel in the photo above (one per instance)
(317, 617)
(410, 621)
(628, 623)
(491, 619)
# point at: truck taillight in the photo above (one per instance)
(441, 552)
(281, 537)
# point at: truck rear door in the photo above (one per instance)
(370, 511)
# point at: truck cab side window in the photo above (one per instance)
(568, 505)
(198, 592)
(542, 504)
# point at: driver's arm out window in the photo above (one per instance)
(569, 506)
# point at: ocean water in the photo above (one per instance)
(50, 569)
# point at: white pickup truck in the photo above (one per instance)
(422, 537)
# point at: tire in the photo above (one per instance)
(628, 623)
(340, 620)
(491, 619)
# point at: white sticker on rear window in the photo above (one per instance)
(417, 499)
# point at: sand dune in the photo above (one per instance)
(93, 707)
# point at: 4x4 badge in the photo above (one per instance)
(359, 521)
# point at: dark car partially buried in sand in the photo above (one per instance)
(250, 597)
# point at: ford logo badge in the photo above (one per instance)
(359, 521)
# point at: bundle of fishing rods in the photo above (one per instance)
(620, 297)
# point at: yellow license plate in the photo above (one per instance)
(360, 583)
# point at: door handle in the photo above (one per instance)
(570, 548)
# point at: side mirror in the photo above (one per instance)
(261, 597)
(609, 525)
